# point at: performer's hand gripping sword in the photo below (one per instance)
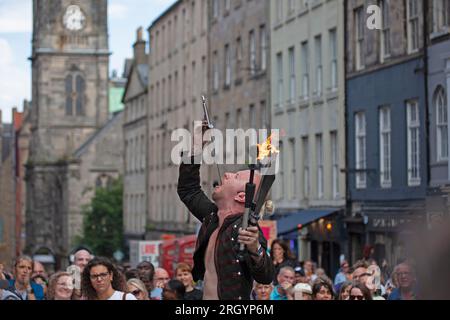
(210, 126)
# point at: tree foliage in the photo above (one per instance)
(102, 220)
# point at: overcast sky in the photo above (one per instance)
(125, 16)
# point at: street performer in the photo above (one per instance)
(226, 274)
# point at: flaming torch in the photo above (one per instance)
(254, 204)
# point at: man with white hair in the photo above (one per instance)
(82, 258)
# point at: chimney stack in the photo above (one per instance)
(139, 48)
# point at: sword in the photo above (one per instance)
(210, 126)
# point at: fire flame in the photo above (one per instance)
(266, 148)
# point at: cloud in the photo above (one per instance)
(14, 80)
(16, 16)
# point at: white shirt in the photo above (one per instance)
(118, 295)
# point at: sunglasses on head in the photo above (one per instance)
(356, 297)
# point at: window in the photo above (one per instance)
(193, 80)
(291, 7)
(193, 20)
(413, 25)
(280, 80)
(263, 112)
(385, 35)
(227, 65)
(239, 118)
(238, 57)
(333, 60)
(143, 145)
(292, 80)
(215, 71)
(184, 26)
(441, 15)
(184, 83)
(252, 53)
(335, 163)
(319, 153)
(360, 135)
(318, 60)
(305, 147)
(413, 123)
(252, 118)
(305, 70)
(385, 147)
(263, 44)
(292, 172)
(215, 8)
(227, 5)
(279, 5)
(359, 38)
(75, 94)
(281, 173)
(440, 104)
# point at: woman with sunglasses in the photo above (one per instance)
(137, 288)
(359, 291)
(102, 281)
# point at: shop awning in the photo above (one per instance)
(304, 217)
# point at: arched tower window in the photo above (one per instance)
(440, 105)
(75, 94)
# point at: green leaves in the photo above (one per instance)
(102, 221)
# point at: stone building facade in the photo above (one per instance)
(239, 69)
(7, 194)
(177, 80)
(438, 52)
(135, 130)
(70, 58)
(386, 126)
(308, 103)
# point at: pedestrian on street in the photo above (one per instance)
(284, 290)
(183, 273)
(322, 289)
(344, 291)
(341, 276)
(102, 281)
(282, 257)
(359, 291)
(137, 288)
(406, 279)
(60, 287)
(360, 273)
(262, 291)
(173, 290)
(22, 287)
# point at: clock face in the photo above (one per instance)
(74, 19)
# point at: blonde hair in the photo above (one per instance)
(52, 284)
(138, 284)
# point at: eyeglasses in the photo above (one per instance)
(361, 275)
(136, 292)
(100, 276)
(356, 297)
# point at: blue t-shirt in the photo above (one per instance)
(276, 296)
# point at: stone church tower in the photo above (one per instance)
(70, 57)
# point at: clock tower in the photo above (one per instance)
(70, 61)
